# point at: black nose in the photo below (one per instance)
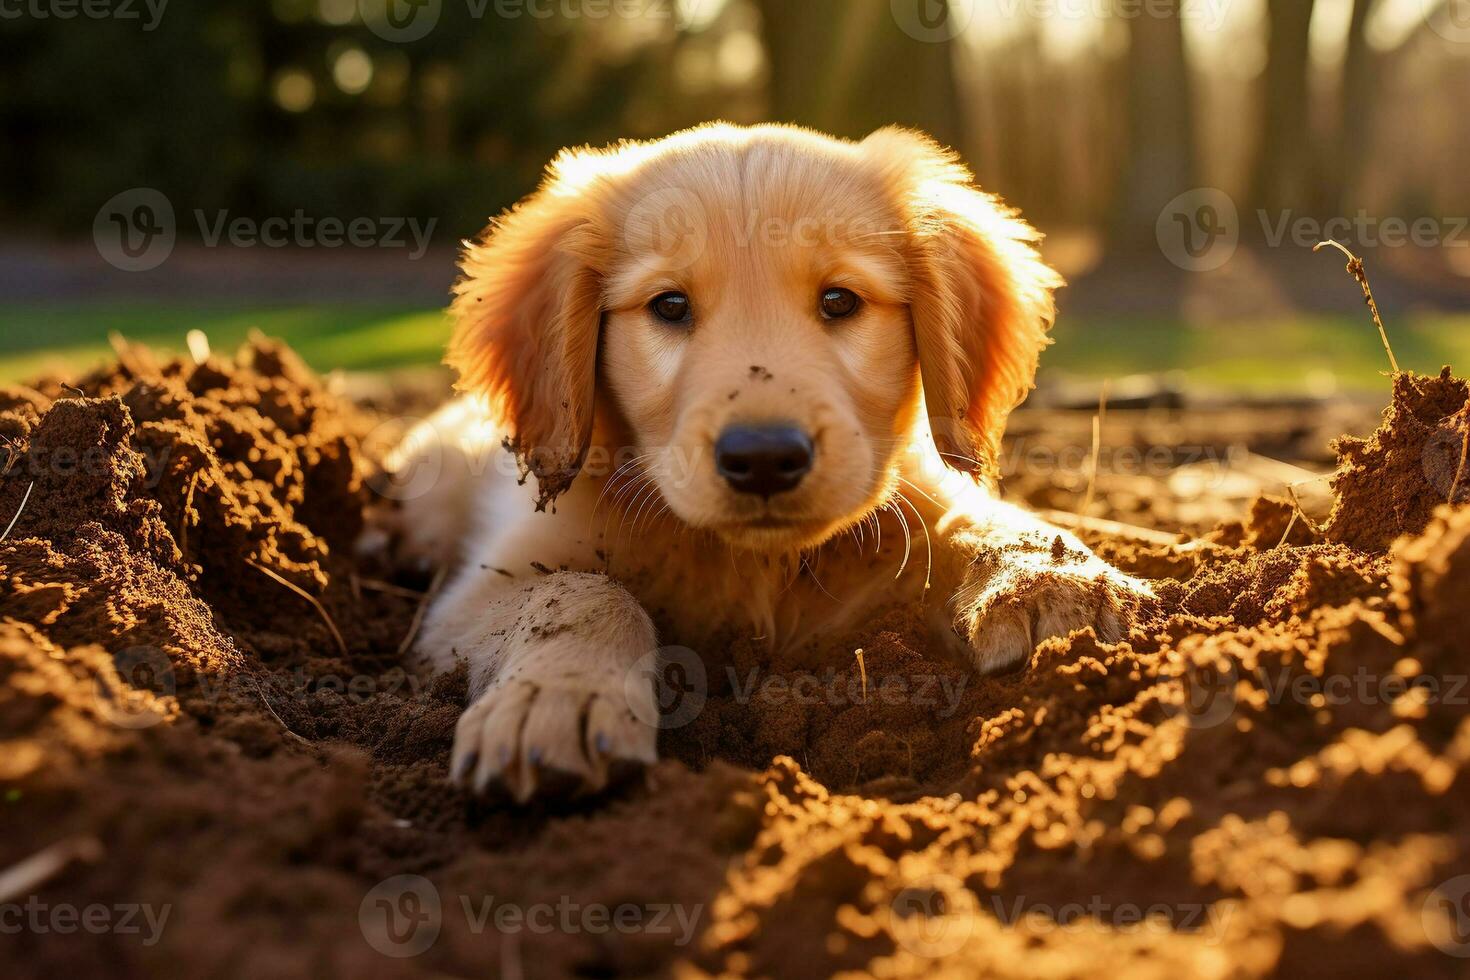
(767, 459)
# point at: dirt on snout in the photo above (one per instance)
(213, 763)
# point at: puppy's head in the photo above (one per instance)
(757, 312)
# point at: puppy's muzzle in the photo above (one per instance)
(764, 460)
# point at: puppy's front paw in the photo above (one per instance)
(554, 734)
(1016, 596)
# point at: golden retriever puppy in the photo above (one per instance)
(736, 382)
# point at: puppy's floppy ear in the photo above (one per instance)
(981, 297)
(527, 314)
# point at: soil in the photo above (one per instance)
(203, 720)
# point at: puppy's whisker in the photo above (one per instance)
(928, 542)
(907, 538)
(620, 479)
(920, 491)
(818, 582)
(647, 494)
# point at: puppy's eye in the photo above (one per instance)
(671, 307)
(838, 303)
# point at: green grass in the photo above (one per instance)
(1299, 354)
(71, 339)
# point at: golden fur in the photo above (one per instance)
(613, 518)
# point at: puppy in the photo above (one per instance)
(738, 381)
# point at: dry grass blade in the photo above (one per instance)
(320, 609)
(1096, 455)
(279, 720)
(388, 588)
(1356, 270)
(33, 872)
(18, 511)
(1117, 529)
(418, 616)
(1460, 469)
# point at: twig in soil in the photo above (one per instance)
(1097, 421)
(198, 343)
(1460, 470)
(279, 720)
(23, 501)
(184, 519)
(30, 874)
(1295, 513)
(12, 453)
(1299, 511)
(1356, 270)
(418, 615)
(388, 588)
(1118, 529)
(321, 610)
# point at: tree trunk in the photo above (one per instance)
(1160, 139)
(1355, 113)
(1286, 168)
(846, 67)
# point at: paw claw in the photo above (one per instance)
(550, 739)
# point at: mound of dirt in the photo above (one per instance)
(206, 739)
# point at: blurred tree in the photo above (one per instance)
(847, 68)
(1286, 172)
(1160, 131)
(1355, 112)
